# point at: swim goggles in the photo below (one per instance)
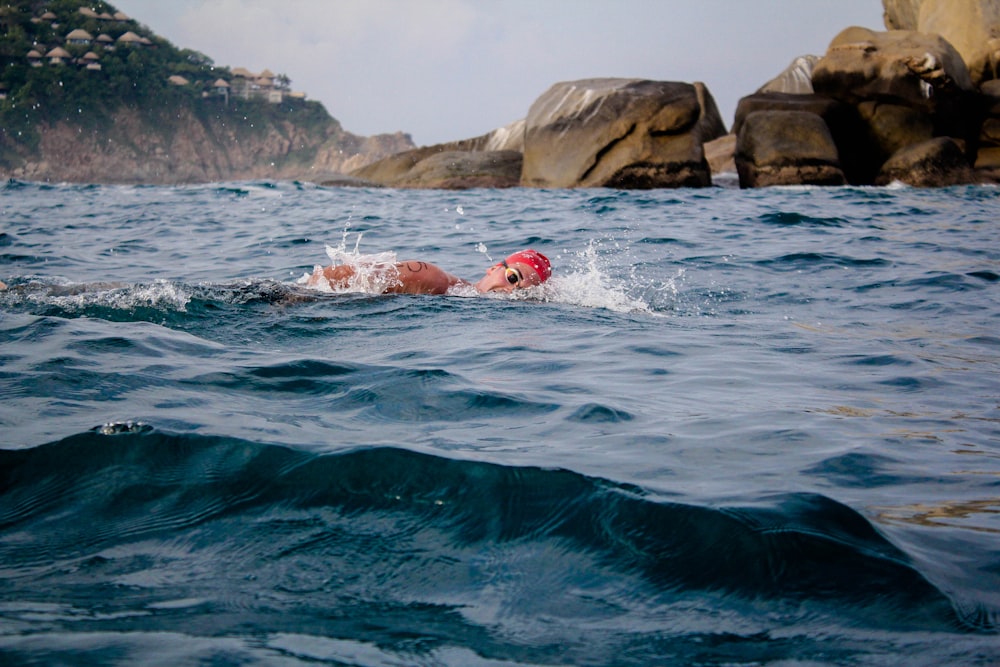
(513, 276)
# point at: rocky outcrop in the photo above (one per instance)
(445, 169)
(796, 79)
(898, 105)
(624, 133)
(987, 164)
(135, 147)
(912, 69)
(934, 163)
(843, 127)
(492, 160)
(972, 27)
(786, 148)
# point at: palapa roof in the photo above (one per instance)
(90, 55)
(58, 52)
(130, 38)
(79, 33)
(34, 54)
(104, 39)
(221, 83)
(243, 72)
(177, 80)
(122, 16)
(48, 16)
(88, 12)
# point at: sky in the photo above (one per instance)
(444, 70)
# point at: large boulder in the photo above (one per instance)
(720, 154)
(843, 121)
(971, 26)
(432, 167)
(623, 133)
(900, 67)
(795, 79)
(786, 148)
(987, 163)
(934, 163)
(492, 160)
(892, 127)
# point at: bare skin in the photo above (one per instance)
(419, 277)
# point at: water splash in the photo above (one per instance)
(77, 297)
(372, 273)
(589, 280)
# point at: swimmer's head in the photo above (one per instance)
(526, 268)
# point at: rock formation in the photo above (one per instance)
(899, 105)
(625, 133)
(189, 148)
(787, 148)
(492, 160)
(971, 26)
(987, 164)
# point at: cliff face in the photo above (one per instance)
(185, 147)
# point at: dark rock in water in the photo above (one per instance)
(892, 127)
(987, 163)
(786, 148)
(831, 111)
(844, 123)
(937, 162)
(625, 133)
(892, 101)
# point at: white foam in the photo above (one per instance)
(585, 279)
(373, 273)
(160, 294)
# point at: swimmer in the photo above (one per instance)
(526, 268)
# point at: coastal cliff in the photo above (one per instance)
(190, 145)
(87, 94)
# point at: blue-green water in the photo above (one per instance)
(735, 428)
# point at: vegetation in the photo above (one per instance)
(134, 76)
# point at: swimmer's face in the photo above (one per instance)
(507, 277)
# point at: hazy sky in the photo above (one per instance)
(453, 69)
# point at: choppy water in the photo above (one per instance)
(736, 427)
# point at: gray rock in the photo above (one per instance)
(624, 133)
(786, 148)
(935, 163)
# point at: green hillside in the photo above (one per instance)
(47, 77)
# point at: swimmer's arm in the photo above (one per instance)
(336, 276)
(417, 277)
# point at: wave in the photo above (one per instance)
(401, 527)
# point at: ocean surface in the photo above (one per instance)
(735, 428)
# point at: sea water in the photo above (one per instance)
(735, 428)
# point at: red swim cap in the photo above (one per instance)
(536, 260)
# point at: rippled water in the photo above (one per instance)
(736, 427)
